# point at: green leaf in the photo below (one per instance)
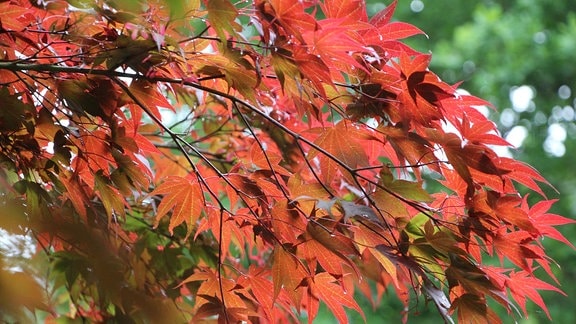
(222, 15)
(407, 189)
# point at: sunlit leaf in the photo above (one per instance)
(183, 197)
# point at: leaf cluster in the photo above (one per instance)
(249, 161)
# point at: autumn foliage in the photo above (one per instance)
(180, 161)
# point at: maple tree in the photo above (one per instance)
(191, 160)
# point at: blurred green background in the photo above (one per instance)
(521, 56)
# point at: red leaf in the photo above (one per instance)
(149, 96)
(341, 141)
(523, 174)
(10, 14)
(544, 221)
(481, 158)
(513, 246)
(410, 146)
(452, 146)
(314, 69)
(384, 16)
(334, 45)
(76, 192)
(292, 17)
(481, 131)
(267, 160)
(522, 285)
(398, 30)
(351, 10)
(508, 209)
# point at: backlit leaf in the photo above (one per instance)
(184, 198)
(222, 15)
(523, 285)
(287, 274)
(340, 142)
(335, 296)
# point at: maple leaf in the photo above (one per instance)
(210, 300)
(335, 296)
(76, 191)
(150, 97)
(285, 65)
(522, 173)
(268, 160)
(10, 14)
(290, 15)
(385, 15)
(410, 147)
(524, 285)
(184, 198)
(314, 68)
(406, 189)
(514, 246)
(472, 309)
(261, 287)
(316, 140)
(334, 44)
(398, 30)
(287, 274)
(222, 15)
(287, 223)
(470, 277)
(351, 10)
(423, 91)
(110, 196)
(330, 250)
(375, 241)
(340, 141)
(544, 221)
(482, 131)
(452, 146)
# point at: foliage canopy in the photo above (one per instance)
(191, 160)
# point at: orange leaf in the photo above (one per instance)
(472, 309)
(10, 15)
(111, 198)
(261, 288)
(335, 296)
(149, 96)
(184, 198)
(287, 274)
